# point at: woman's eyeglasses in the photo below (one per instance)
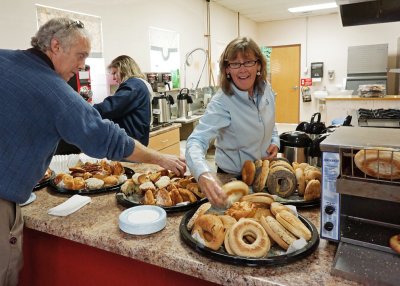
(77, 24)
(246, 64)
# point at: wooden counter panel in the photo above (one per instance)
(165, 140)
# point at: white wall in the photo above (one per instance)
(327, 42)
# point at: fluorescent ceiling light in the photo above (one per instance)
(313, 7)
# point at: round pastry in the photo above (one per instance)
(248, 172)
(241, 210)
(278, 207)
(226, 244)
(379, 163)
(301, 181)
(163, 198)
(248, 227)
(313, 190)
(277, 232)
(281, 182)
(211, 231)
(227, 220)
(234, 191)
(200, 211)
(293, 224)
(262, 171)
(395, 243)
(287, 165)
(95, 184)
(261, 199)
(312, 173)
(261, 212)
(148, 198)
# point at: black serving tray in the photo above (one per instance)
(298, 201)
(44, 183)
(128, 172)
(274, 257)
(133, 201)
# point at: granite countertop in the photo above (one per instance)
(96, 224)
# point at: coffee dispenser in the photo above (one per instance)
(184, 103)
(161, 105)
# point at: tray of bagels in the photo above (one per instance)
(87, 178)
(297, 184)
(252, 230)
(162, 188)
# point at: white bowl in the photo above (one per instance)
(142, 220)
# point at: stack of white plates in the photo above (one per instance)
(142, 220)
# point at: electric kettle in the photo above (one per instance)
(161, 105)
(184, 103)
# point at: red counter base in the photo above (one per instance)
(50, 260)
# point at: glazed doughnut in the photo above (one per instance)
(209, 230)
(163, 198)
(248, 172)
(248, 227)
(241, 209)
(395, 243)
(199, 212)
(281, 181)
(293, 224)
(235, 190)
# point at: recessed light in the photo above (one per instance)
(313, 7)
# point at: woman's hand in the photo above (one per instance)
(211, 186)
(272, 152)
(173, 163)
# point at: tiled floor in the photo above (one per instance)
(282, 127)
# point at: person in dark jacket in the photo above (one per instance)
(130, 106)
(38, 109)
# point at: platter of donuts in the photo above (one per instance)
(253, 230)
(94, 177)
(45, 180)
(162, 188)
(297, 184)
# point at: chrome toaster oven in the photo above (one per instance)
(360, 202)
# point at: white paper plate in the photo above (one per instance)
(32, 197)
(142, 220)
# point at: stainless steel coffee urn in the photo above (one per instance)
(161, 105)
(184, 103)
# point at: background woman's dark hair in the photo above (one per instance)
(246, 46)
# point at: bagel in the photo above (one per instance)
(394, 243)
(312, 174)
(248, 172)
(301, 181)
(379, 163)
(209, 230)
(227, 220)
(261, 212)
(293, 224)
(287, 165)
(262, 171)
(277, 232)
(226, 244)
(248, 227)
(200, 211)
(281, 181)
(313, 190)
(234, 191)
(278, 207)
(259, 198)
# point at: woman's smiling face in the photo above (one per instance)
(244, 77)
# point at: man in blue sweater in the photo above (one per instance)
(38, 109)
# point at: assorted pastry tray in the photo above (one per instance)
(275, 256)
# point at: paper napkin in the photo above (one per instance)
(70, 206)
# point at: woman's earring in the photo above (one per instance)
(228, 75)
(258, 73)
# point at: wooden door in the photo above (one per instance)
(285, 81)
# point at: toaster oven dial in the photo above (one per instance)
(328, 226)
(330, 209)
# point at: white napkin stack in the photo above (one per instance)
(70, 206)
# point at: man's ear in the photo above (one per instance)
(55, 45)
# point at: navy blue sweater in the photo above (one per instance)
(130, 108)
(37, 109)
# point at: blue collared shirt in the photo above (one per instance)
(243, 128)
